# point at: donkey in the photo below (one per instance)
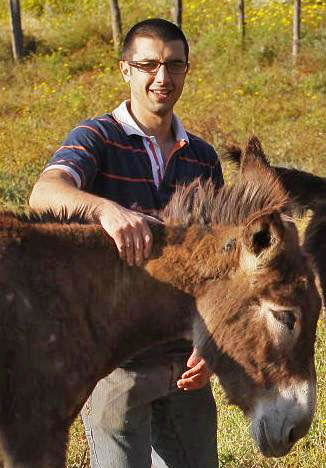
(305, 189)
(226, 267)
(308, 192)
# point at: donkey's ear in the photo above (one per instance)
(254, 156)
(255, 168)
(263, 236)
(254, 164)
(250, 158)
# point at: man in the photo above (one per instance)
(151, 406)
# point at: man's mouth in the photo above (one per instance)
(161, 93)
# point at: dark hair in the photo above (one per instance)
(154, 27)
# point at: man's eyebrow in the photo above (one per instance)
(157, 60)
(147, 59)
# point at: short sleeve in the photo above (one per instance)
(80, 154)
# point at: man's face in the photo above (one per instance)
(154, 93)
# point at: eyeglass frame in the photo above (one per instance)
(137, 64)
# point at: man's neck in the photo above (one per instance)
(154, 125)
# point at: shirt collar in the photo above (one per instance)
(123, 116)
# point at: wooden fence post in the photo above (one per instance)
(116, 24)
(16, 29)
(241, 19)
(296, 29)
(177, 12)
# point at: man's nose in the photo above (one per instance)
(162, 74)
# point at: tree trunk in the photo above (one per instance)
(16, 29)
(116, 24)
(296, 29)
(177, 12)
(241, 19)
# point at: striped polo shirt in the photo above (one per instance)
(112, 157)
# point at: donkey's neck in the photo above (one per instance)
(120, 310)
(124, 309)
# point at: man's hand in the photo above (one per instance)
(129, 230)
(197, 376)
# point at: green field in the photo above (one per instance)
(233, 90)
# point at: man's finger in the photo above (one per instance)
(120, 243)
(188, 374)
(138, 247)
(194, 359)
(190, 384)
(148, 241)
(187, 380)
(194, 371)
(200, 367)
(129, 249)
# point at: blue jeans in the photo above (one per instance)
(137, 418)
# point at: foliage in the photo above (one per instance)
(71, 73)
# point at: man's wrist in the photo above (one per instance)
(101, 209)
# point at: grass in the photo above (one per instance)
(232, 91)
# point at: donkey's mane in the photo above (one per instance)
(257, 193)
(81, 215)
(201, 203)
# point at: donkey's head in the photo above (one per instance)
(305, 189)
(258, 313)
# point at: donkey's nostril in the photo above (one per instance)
(291, 439)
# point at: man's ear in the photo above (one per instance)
(125, 70)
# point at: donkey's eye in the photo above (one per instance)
(229, 245)
(286, 317)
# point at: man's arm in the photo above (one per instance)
(55, 189)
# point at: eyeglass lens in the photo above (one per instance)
(153, 66)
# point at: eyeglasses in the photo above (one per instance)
(152, 66)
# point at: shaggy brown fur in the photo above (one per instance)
(71, 310)
(315, 243)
